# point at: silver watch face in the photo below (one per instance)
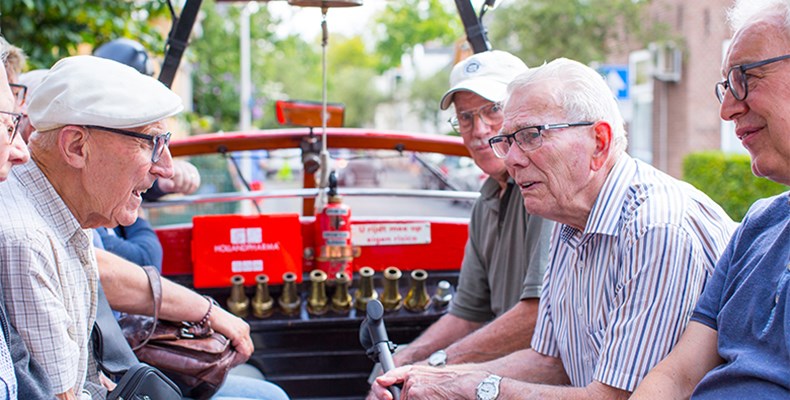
(438, 358)
(488, 389)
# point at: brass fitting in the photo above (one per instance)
(289, 300)
(341, 300)
(238, 302)
(317, 302)
(391, 298)
(417, 299)
(366, 292)
(262, 302)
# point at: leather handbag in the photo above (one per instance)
(193, 355)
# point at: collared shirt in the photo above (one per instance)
(617, 296)
(505, 257)
(49, 276)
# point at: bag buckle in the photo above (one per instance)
(186, 334)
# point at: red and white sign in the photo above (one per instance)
(390, 234)
(227, 245)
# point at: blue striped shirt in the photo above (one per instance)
(617, 296)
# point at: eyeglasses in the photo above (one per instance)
(12, 128)
(738, 82)
(490, 114)
(160, 141)
(528, 138)
(20, 93)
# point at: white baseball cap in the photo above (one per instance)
(88, 90)
(486, 74)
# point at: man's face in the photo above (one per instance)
(762, 120)
(119, 169)
(476, 137)
(10, 153)
(551, 176)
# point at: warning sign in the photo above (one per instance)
(390, 234)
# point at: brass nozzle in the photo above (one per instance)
(365, 292)
(341, 300)
(289, 300)
(262, 302)
(391, 298)
(238, 302)
(317, 302)
(417, 299)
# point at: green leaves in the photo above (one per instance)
(728, 180)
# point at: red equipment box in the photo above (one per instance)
(227, 245)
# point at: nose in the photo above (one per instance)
(731, 108)
(515, 159)
(163, 168)
(19, 153)
(482, 129)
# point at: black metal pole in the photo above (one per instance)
(475, 31)
(177, 41)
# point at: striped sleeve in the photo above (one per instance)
(665, 276)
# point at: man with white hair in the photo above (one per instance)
(631, 252)
(737, 344)
(507, 251)
(101, 141)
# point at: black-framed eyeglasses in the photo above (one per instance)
(13, 128)
(490, 114)
(20, 93)
(528, 138)
(738, 82)
(160, 142)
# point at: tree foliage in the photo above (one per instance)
(584, 30)
(406, 23)
(48, 30)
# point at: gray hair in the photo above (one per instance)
(581, 92)
(744, 11)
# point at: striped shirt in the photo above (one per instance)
(617, 296)
(49, 276)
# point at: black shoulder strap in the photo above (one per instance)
(110, 347)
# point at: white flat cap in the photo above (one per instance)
(87, 90)
(486, 74)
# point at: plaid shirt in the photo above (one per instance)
(49, 276)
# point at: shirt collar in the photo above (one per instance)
(47, 200)
(606, 211)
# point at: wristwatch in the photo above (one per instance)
(488, 389)
(438, 359)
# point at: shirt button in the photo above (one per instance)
(579, 311)
(776, 299)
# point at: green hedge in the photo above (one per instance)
(728, 180)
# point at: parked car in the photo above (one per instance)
(357, 169)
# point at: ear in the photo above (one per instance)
(603, 144)
(73, 145)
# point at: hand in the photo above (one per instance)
(185, 179)
(421, 382)
(235, 329)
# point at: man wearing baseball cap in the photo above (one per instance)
(507, 251)
(101, 140)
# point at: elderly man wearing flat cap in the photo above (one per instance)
(101, 141)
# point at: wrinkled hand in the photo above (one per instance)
(422, 382)
(235, 329)
(185, 179)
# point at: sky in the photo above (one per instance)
(306, 21)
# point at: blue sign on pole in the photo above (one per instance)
(616, 76)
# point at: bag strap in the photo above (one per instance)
(155, 282)
(110, 347)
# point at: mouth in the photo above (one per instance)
(526, 185)
(744, 133)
